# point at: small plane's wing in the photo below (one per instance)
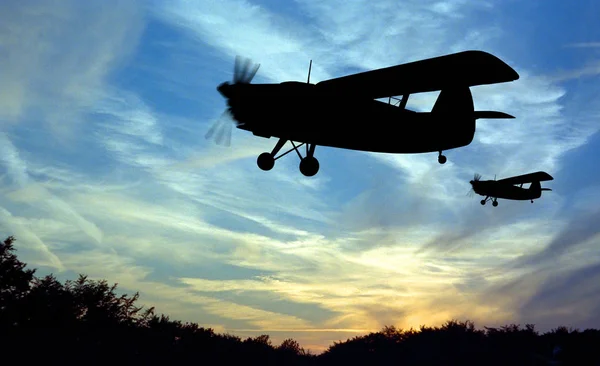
(527, 178)
(491, 115)
(468, 68)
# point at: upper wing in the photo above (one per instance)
(527, 178)
(467, 68)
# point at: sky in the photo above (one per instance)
(104, 168)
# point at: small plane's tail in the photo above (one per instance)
(535, 185)
(491, 115)
(459, 101)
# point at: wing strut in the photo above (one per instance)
(404, 101)
(400, 102)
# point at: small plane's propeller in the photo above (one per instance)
(476, 178)
(243, 73)
(221, 129)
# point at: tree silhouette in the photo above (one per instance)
(14, 285)
(85, 321)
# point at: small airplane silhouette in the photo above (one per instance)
(506, 189)
(345, 112)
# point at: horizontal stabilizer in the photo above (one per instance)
(546, 189)
(491, 114)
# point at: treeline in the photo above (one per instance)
(85, 322)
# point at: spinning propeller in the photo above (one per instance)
(243, 73)
(476, 178)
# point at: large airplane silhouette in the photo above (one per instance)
(345, 112)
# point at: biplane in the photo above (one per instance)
(348, 112)
(507, 188)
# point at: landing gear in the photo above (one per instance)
(309, 165)
(265, 161)
(442, 160)
(494, 201)
(531, 201)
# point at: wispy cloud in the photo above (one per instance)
(56, 58)
(590, 70)
(31, 193)
(584, 45)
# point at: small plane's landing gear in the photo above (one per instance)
(531, 201)
(265, 161)
(441, 158)
(494, 201)
(309, 165)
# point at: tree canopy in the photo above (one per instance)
(84, 321)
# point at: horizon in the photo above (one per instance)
(106, 172)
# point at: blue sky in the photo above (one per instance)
(105, 169)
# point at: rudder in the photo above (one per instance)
(453, 111)
(457, 101)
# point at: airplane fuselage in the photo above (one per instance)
(508, 191)
(301, 112)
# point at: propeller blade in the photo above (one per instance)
(244, 71)
(227, 137)
(236, 69)
(252, 73)
(213, 128)
(221, 129)
(240, 69)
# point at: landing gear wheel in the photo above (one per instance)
(442, 159)
(309, 166)
(265, 161)
(495, 203)
(482, 202)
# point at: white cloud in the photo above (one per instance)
(281, 45)
(16, 168)
(42, 253)
(592, 69)
(26, 190)
(56, 57)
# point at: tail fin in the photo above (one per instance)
(457, 101)
(491, 114)
(535, 185)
